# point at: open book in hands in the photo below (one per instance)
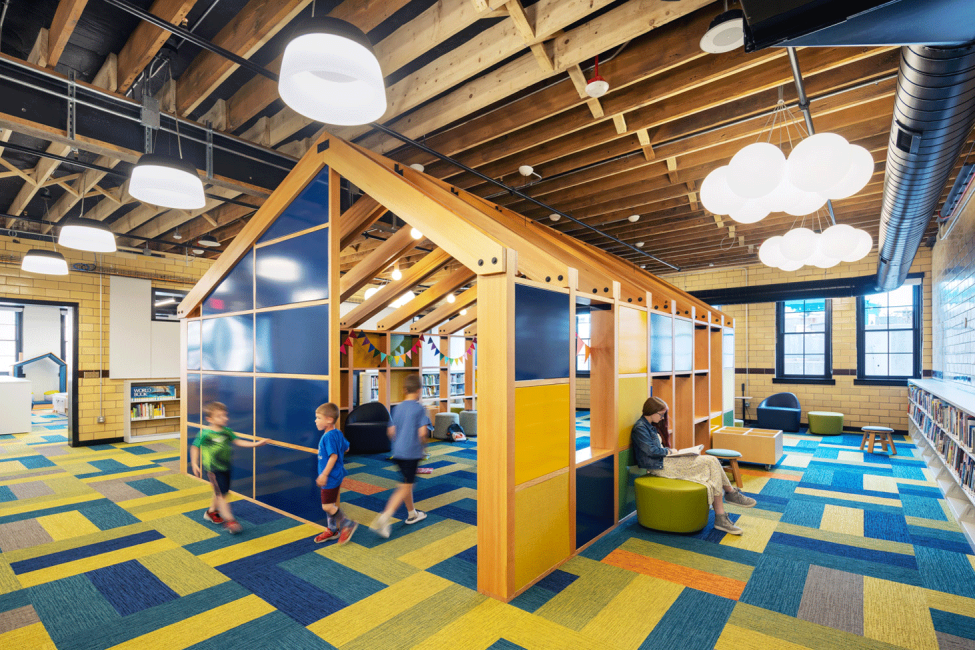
(690, 451)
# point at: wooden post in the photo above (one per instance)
(334, 264)
(496, 426)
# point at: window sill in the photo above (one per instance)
(883, 381)
(804, 380)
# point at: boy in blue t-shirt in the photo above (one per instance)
(408, 431)
(331, 471)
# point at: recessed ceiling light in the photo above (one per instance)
(726, 33)
(633, 218)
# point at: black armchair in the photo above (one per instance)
(779, 411)
(365, 429)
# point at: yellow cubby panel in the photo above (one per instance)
(633, 341)
(632, 394)
(541, 528)
(543, 428)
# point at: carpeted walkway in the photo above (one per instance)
(105, 547)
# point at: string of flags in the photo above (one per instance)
(402, 354)
(582, 347)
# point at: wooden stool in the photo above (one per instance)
(732, 457)
(883, 434)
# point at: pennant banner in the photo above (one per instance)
(403, 353)
(582, 347)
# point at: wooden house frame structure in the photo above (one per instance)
(529, 473)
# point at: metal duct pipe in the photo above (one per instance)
(934, 111)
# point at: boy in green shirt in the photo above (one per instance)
(213, 444)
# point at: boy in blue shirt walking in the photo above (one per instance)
(408, 431)
(331, 471)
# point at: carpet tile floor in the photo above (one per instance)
(105, 547)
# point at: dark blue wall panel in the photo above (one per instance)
(542, 330)
(594, 499)
(285, 479)
(193, 345)
(235, 292)
(294, 270)
(242, 471)
(308, 210)
(228, 343)
(238, 394)
(286, 409)
(293, 341)
(192, 396)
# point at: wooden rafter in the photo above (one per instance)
(147, 39)
(62, 25)
(445, 311)
(390, 251)
(425, 300)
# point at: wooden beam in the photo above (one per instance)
(412, 276)
(445, 311)
(62, 25)
(425, 300)
(45, 167)
(68, 200)
(107, 76)
(672, 169)
(459, 323)
(27, 178)
(620, 123)
(521, 21)
(147, 39)
(357, 219)
(387, 253)
(39, 52)
(578, 80)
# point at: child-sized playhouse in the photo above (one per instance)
(263, 332)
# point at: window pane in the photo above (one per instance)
(815, 344)
(816, 321)
(582, 329)
(900, 317)
(8, 349)
(816, 305)
(793, 343)
(901, 365)
(876, 365)
(875, 342)
(902, 296)
(7, 317)
(793, 306)
(875, 300)
(8, 332)
(793, 365)
(815, 364)
(794, 322)
(874, 319)
(902, 341)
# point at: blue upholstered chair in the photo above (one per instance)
(779, 411)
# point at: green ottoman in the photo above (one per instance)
(825, 423)
(671, 505)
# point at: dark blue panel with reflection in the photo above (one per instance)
(293, 341)
(235, 292)
(285, 479)
(228, 343)
(193, 345)
(594, 499)
(193, 398)
(294, 270)
(310, 209)
(242, 471)
(286, 409)
(238, 394)
(541, 334)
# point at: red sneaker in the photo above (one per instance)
(326, 535)
(346, 534)
(232, 527)
(213, 517)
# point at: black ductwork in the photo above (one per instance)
(934, 111)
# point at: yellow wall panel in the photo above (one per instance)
(633, 341)
(543, 430)
(632, 395)
(541, 528)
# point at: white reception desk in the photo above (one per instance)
(15, 405)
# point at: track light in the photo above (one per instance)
(168, 182)
(45, 262)
(330, 73)
(87, 235)
(208, 241)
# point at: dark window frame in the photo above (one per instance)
(917, 340)
(18, 338)
(780, 376)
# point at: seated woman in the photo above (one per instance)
(651, 454)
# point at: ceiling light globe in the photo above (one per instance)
(415, 234)
(839, 241)
(756, 170)
(597, 87)
(822, 261)
(799, 244)
(781, 197)
(819, 162)
(633, 218)
(397, 274)
(168, 182)
(863, 247)
(801, 203)
(769, 252)
(716, 195)
(330, 73)
(451, 298)
(526, 170)
(554, 217)
(790, 265)
(861, 170)
(418, 167)
(87, 235)
(753, 211)
(44, 262)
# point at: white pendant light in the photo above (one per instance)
(753, 211)
(863, 247)
(168, 182)
(790, 265)
(799, 244)
(418, 167)
(640, 244)
(839, 241)
(819, 162)
(397, 274)
(415, 234)
(756, 170)
(402, 300)
(781, 197)
(716, 194)
(463, 312)
(821, 260)
(370, 292)
(87, 235)
(526, 170)
(861, 169)
(769, 252)
(208, 241)
(726, 33)
(554, 217)
(330, 73)
(633, 218)
(45, 262)
(451, 298)
(597, 86)
(802, 203)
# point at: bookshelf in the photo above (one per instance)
(942, 424)
(456, 384)
(430, 380)
(152, 410)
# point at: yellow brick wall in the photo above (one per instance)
(582, 392)
(83, 288)
(755, 342)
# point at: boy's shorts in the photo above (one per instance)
(220, 480)
(330, 495)
(407, 467)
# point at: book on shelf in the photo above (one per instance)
(950, 431)
(154, 392)
(145, 410)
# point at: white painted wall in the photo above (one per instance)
(139, 347)
(42, 334)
